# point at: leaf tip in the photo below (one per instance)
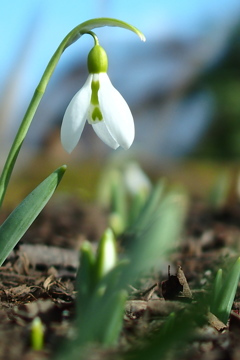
(60, 172)
(63, 167)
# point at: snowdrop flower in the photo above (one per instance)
(101, 105)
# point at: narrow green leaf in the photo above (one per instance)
(113, 318)
(220, 191)
(151, 246)
(22, 217)
(138, 201)
(217, 288)
(228, 292)
(118, 203)
(85, 279)
(147, 214)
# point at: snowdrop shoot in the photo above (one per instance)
(101, 105)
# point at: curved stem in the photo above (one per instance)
(73, 36)
(95, 38)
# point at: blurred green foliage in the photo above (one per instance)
(221, 142)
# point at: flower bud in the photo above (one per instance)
(106, 255)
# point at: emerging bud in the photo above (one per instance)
(106, 254)
(37, 334)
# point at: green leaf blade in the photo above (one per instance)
(229, 288)
(148, 210)
(97, 23)
(113, 318)
(15, 226)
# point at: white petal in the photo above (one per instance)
(75, 117)
(116, 113)
(103, 133)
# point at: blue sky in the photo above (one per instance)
(44, 23)
(50, 20)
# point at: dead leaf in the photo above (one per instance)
(183, 281)
(215, 322)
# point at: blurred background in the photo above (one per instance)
(182, 85)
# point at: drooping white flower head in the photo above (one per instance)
(101, 105)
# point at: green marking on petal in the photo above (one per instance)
(95, 87)
(96, 114)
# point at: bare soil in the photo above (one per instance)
(38, 279)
